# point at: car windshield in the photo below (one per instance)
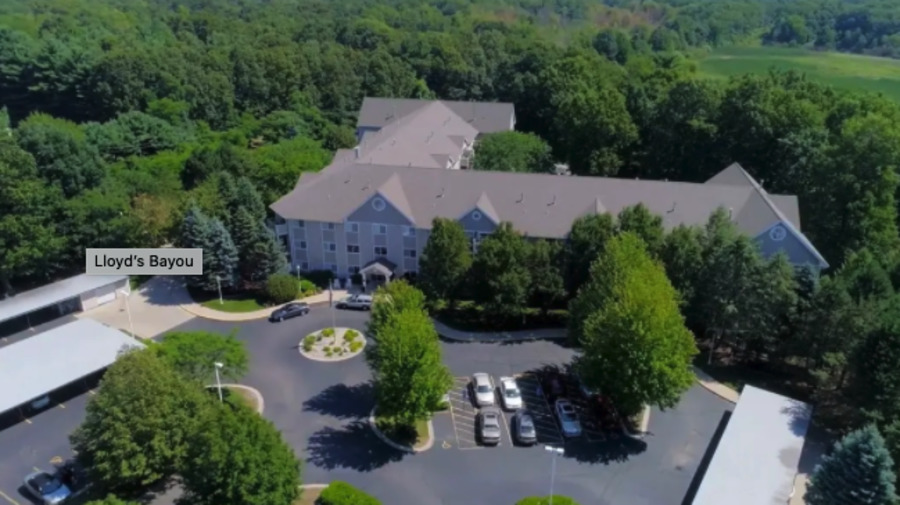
(527, 424)
(483, 388)
(512, 392)
(566, 412)
(45, 484)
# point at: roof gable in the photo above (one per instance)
(485, 117)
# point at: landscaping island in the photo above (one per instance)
(332, 344)
(414, 437)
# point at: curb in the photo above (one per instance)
(715, 387)
(645, 423)
(313, 486)
(261, 404)
(405, 448)
(238, 317)
(338, 359)
(488, 337)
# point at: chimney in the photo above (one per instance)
(356, 152)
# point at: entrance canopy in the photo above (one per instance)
(379, 266)
(38, 365)
(45, 296)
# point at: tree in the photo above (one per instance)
(238, 458)
(391, 299)
(408, 373)
(633, 324)
(445, 260)
(547, 288)
(208, 160)
(513, 151)
(587, 238)
(876, 378)
(681, 254)
(500, 273)
(193, 353)
(637, 219)
(859, 470)
(111, 500)
(62, 153)
(139, 424)
(221, 261)
(250, 199)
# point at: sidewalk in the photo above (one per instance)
(715, 386)
(502, 336)
(218, 315)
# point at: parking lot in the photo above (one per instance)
(463, 414)
(541, 412)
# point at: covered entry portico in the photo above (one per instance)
(378, 271)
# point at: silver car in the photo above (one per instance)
(489, 420)
(47, 488)
(568, 418)
(483, 389)
(358, 302)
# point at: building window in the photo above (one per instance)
(329, 246)
(302, 244)
(329, 226)
(380, 250)
(379, 229)
(378, 204)
(409, 231)
(483, 234)
(409, 253)
(353, 227)
(352, 248)
(301, 224)
(353, 270)
(476, 215)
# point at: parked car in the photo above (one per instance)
(489, 420)
(290, 310)
(510, 394)
(357, 302)
(568, 418)
(553, 385)
(47, 488)
(585, 391)
(523, 428)
(483, 389)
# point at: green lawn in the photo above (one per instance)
(847, 71)
(402, 433)
(234, 304)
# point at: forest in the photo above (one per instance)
(121, 116)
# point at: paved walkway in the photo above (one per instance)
(155, 308)
(205, 312)
(499, 336)
(715, 386)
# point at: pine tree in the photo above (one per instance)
(859, 471)
(228, 192)
(264, 255)
(250, 199)
(194, 232)
(220, 259)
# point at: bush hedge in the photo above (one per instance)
(281, 288)
(321, 278)
(341, 493)
(307, 288)
(545, 500)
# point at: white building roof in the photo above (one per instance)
(47, 361)
(45, 296)
(757, 457)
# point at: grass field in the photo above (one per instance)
(847, 71)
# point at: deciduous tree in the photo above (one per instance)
(587, 238)
(193, 354)
(637, 219)
(513, 151)
(391, 299)
(547, 287)
(445, 260)
(633, 323)
(500, 273)
(139, 424)
(239, 457)
(408, 373)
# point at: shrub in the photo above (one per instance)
(319, 337)
(321, 278)
(281, 288)
(308, 342)
(341, 352)
(327, 348)
(328, 332)
(545, 500)
(328, 353)
(355, 346)
(341, 493)
(351, 335)
(307, 287)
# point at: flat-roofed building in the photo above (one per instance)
(757, 458)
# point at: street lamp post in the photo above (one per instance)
(219, 285)
(297, 269)
(556, 452)
(128, 310)
(218, 381)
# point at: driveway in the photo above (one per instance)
(321, 410)
(154, 308)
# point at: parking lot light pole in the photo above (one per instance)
(128, 311)
(219, 285)
(219, 382)
(556, 452)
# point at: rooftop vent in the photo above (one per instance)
(441, 195)
(552, 202)
(672, 209)
(521, 198)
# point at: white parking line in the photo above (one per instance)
(505, 428)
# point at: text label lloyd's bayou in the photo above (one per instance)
(165, 261)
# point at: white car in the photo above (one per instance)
(510, 394)
(483, 389)
(568, 418)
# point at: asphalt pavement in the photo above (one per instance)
(321, 409)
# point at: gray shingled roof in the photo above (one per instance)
(428, 137)
(486, 117)
(539, 205)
